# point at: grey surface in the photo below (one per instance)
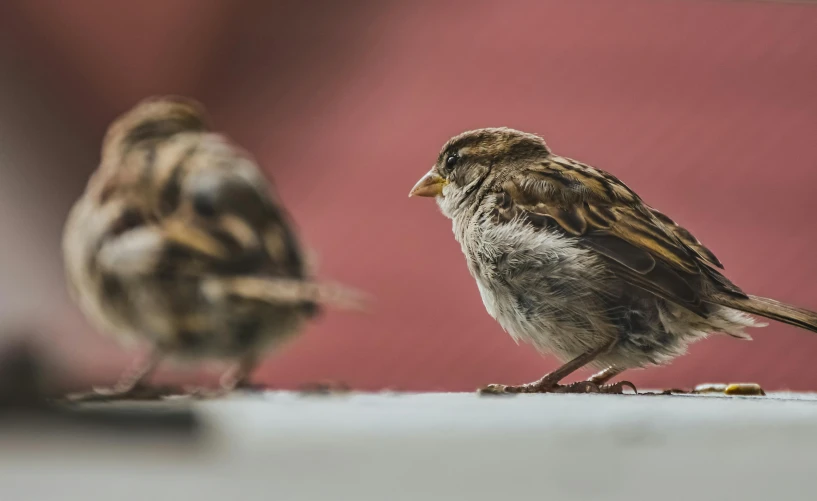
(437, 446)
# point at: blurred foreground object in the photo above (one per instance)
(179, 241)
(571, 260)
(31, 401)
(25, 379)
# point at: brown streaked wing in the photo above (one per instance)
(709, 263)
(687, 238)
(607, 217)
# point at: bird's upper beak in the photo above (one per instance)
(431, 185)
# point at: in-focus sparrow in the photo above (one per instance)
(569, 259)
(179, 241)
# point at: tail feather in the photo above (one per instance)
(774, 310)
(287, 291)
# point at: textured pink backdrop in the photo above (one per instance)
(707, 108)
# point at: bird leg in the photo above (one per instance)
(239, 377)
(602, 378)
(131, 385)
(549, 383)
(236, 378)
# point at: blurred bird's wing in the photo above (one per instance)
(194, 205)
(642, 246)
(217, 213)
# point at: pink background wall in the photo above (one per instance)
(707, 108)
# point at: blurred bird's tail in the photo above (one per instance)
(286, 291)
(775, 310)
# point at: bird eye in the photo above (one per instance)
(451, 160)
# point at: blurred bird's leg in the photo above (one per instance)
(238, 378)
(235, 378)
(135, 377)
(132, 383)
(550, 382)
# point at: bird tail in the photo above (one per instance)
(774, 310)
(287, 291)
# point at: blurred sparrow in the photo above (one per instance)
(569, 259)
(179, 241)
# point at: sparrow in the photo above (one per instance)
(569, 259)
(180, 241)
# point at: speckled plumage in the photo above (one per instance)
(569, 259)
(179, 241)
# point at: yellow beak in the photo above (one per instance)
(431, 185)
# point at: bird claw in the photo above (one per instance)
(494, 389)
(119, 392)
(501, 389)
(593, 387)
(618, 388)
(577, 387)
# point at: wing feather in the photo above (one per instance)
(641, 245)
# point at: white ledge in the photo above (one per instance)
(285, 446)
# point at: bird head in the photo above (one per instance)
(470, 159)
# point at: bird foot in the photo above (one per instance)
(119, 393)
(578, 387)
(618, 388)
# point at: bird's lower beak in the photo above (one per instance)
(431, 185)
